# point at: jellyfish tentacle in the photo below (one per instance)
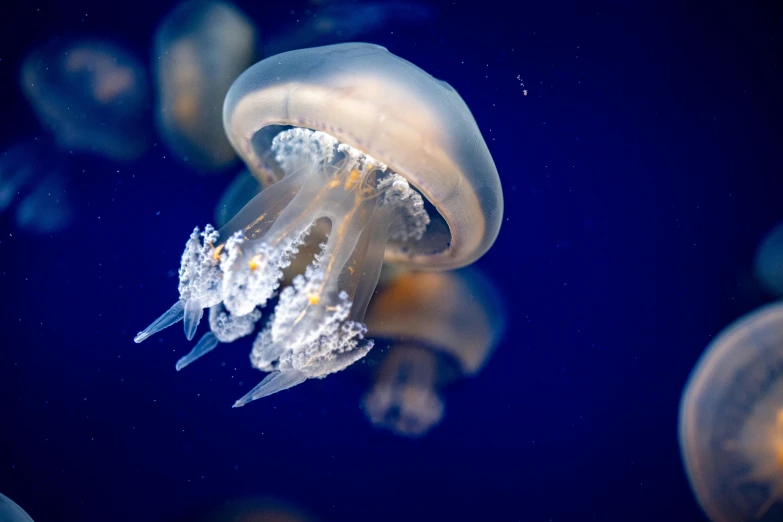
(272, 383)
(316, 328)
(193, 312)
(171, 316)
(206, 344)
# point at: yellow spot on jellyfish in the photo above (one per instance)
(731, 434)
(302, 120)
(441, 326)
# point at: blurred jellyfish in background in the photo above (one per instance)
(323, 127)
(34, 187)
(256, 510)
(201, 47)
(440, 327)
(344, 21)
(731, 421)
(11, 512)
(91, 95)
(769, 261)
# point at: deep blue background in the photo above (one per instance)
(639, 173)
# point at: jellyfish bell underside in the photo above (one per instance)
(731, 421)
(345, 174)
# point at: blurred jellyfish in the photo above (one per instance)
(440, 326)
(11, 512)
(201, 47)
(34, 186)
(769, 261)
(345, 21)
(258, 510)
(328, 124)
(731, 420)
(91, 95)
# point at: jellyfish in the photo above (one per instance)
(441, 326)
(202, 46)
(90, 94)
(769, 261)
(34, 186)
(393, 160)
(731, 420)
(200, 49)
(11, 512)
(257, 509)
(244, 188)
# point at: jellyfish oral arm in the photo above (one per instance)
(316, 328)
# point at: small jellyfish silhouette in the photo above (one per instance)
(769, 261)
(91, 94)
(358, 136)
(201, 47)
(11, 512)
(731, 421)
(34, 186)
(441, 326)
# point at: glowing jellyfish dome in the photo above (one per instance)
(355, 135)
(91, 94)
(200, 49)
(11, 512)
(731, 421)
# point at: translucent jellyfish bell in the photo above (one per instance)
(441, 326)
(200, 48)
(769, 261)
(11, 512)
(731, 421)
(354, 135)
(91, 94)
(34, 186)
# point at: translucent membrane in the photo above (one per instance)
(316, 328)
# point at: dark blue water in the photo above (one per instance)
(640, 172)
